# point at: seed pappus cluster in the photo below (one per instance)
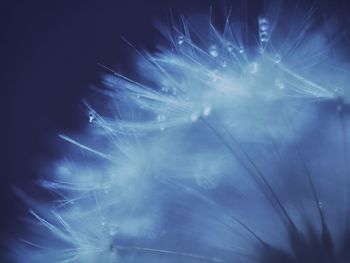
(223, 150)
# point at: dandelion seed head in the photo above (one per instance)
(210, 156)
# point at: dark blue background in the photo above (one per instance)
(49, 55)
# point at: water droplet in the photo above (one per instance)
(264, 36)
(206, 110)
(103, 221)
(279, 83)
(213, 50)
(320, 204)
(229, 47)
(161, 117)
(194, 116)
(113, 230)
(138, 96)
(224, 64)
(277, 58)
(92, 116)
(180, 39)
(241, 50)
(263, 29)
(263, 24)
(165, 89)
(253, 67)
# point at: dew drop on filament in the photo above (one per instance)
(160, 117)
(263, 24)
(113, 230)
(253, 68)
(180, 39)
(264, 37)
(165, 89)
(263, 30)
(214, 51)
(103, 221)
(92, 116)
(206, 110)
(277, 58)
(279, 83)
(229, 47)
(194, 116)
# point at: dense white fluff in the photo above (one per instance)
(211, 155)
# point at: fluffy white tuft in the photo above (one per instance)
(230, 146)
